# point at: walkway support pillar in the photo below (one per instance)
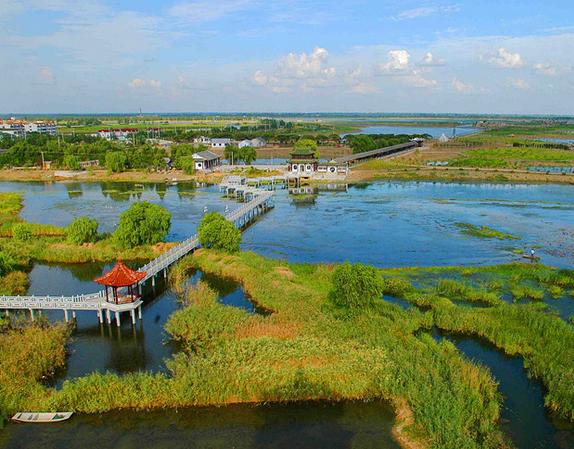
(133, 314)
(66, 315)
(140, 312)
(118, 319)
(32, 314)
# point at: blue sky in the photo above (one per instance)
(287, 55)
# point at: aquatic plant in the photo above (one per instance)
(484, 232)
(21, 232)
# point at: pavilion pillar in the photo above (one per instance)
(118, 319)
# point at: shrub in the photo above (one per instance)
(116, 161)
(216, 232)
(187, 165)
(396, 287)
(22, 232)
(71, 162)
(142, 224)
(355, 287)
(6, 264)
(82, 230)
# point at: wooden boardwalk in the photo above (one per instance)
(259, 203)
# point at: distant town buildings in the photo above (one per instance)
(122, 135)
(19, 128)
(202, 140)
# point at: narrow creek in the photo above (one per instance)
(524, 419)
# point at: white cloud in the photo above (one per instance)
(429, 60)
(398, 61)
(417, 79)
(360, 82)
(506, 59)
(546, 69)
(460, 86)
(302, 71)
(518, 83)
(206, 11)
(139, 83)
(426, 11)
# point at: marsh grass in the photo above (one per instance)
(484, 232)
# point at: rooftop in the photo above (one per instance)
(120, 276)
(205, 156)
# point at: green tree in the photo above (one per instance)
(71, 162)
(232, 154)
(142, 224)
(216, 232)
(116, 161)
(248, 154)
(82, 230)
(187, 164)
(22, 232)
(7, 264)
(308, 145)
(355, 287)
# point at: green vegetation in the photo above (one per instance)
(22, 232)
(360, 143)
(187, 164)
(305, 349)
(116, 161)
(216, 232)
(7, 263)
(82, 230)
(306, 146)
(235, 155)
(142, 224)
(513, 157)
(355, 287)
(484, 232)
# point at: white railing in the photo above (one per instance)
(96, 301)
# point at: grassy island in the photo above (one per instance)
(308, 348)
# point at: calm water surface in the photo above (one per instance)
(434, 131)
(302, 426)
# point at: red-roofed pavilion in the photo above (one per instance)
(122, 276)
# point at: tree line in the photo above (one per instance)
(360, 143)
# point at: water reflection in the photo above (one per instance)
(302, 425)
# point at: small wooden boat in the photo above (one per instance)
(533, 258)
(33, 417)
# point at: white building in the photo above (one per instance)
(202, 140)
(258, 142)
(41, 127)
(220, 143)
(206, 161)
(19, 128)
(116, 134)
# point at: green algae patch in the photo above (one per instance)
(484, 232)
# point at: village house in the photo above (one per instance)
(258, 142)
(122, 135)
(220, 143)
(206, 161)
(202, 140)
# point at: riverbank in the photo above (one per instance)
(384, 171)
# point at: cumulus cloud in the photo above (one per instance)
(303, 71)
(460, 86)
(139, 83)
(546, 69)
(398, 62)
(506, 59)
(417, 79)
(518, 83)
(360, 82)
(429, 60)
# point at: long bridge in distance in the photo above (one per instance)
(257, 202)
